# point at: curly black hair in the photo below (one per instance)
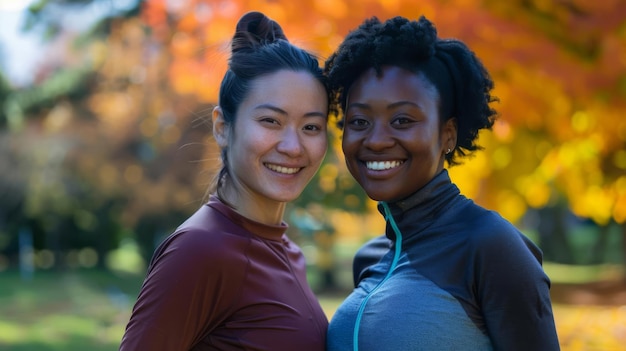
(464, 88)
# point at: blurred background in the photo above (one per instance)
(106, 147)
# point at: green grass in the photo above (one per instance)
(78, 310)
(576, 274)
(88, 309)
(66, 311)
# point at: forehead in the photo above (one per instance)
(392, 84)
(287, 86)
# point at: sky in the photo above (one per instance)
(18, 51)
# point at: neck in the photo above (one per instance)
(255, 207)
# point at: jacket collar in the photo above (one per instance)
(420, 209)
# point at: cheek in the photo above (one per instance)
(350, 148)
(247, 145)
(350, 151)
(258, 139)
(347, 144)
(317, 148)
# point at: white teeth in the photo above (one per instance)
(281, 169)
(382, 165)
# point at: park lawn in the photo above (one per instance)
(88, 310)
(82, 310)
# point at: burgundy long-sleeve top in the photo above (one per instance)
(224, 282)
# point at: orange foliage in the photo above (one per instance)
(559, 67)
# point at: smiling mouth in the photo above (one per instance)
(281, 169)
(382, 165)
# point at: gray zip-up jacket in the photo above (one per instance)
(451, 276)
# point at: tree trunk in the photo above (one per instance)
(599, 248)
(623, 226)
(553, 235)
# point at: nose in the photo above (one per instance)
(290, 143)
(379, 137)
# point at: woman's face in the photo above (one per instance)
(279, 137)
(392, 139)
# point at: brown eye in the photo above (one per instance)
(358, 123)
(269, 120)
(401, 120)
(312, 127)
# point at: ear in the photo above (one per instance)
(220, 127)
(448, 135)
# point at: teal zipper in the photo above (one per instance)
(394, 263)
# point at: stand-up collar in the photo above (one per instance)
(417, 211)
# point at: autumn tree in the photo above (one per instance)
(136, 115)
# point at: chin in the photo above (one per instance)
(378, 197)
(377, 191)
(285, 197)
(381, 196)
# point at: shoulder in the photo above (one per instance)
(487, 225)
(492, 236)
(500, 254)
(374, 248)
(205, 238)
(369, 254)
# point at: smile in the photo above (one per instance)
(382, 165)
(281, 169)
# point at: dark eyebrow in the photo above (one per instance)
(271, 107)
(389, 107)
(283, 112)
(358, 105)
(401, 103)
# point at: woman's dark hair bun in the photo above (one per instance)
(255, 29)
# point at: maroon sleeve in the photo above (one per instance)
(191, 283)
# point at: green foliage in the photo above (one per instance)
(69, 82)
(105, 148)
(48, 15)
(5, 91)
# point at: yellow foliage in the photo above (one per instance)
(116, 112)
(328, 173)
(595, 203)
(357, 228)
(619, 211)
(171, 134)
(184, 45)
(331, 8)
(561, 120)
(503, 132)
(133, 174)
(619, 191)
(219, 31)
(512, 206)
(535, 190)
(501, 157)
(472, 171)
(619, 159)
(587, 328)
(149, 127)
(581, 121)
(391, 5)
